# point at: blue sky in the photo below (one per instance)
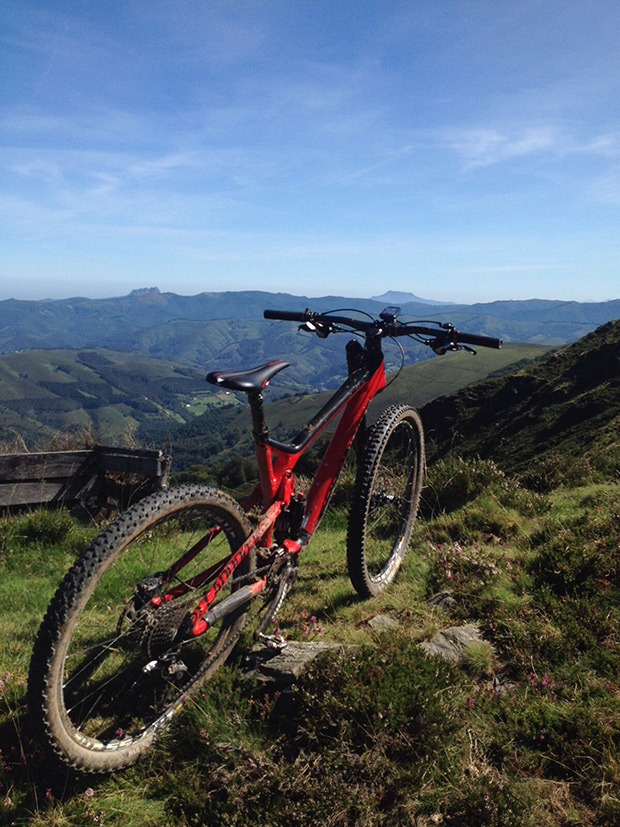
(462, 150)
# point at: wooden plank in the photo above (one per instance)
(62, 476)
(50, 465)
(31, 493)
(143, 466)
(58, 464)
(127, 452)
(143, 462)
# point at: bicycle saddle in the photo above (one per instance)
(249, 381)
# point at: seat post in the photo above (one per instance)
(259, 426)
(268, 482)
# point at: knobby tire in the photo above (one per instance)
(90, 697)
(385, 499)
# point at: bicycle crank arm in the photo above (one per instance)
(203, 618)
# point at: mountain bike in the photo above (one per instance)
(157, 601)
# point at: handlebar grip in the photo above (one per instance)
(473, 339)
(287, 315)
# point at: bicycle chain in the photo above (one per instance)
(229, 643)
(231, 640)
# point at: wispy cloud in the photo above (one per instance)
(486, 146)
(606, 188)
(512, 268)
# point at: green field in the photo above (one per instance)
(110, 393)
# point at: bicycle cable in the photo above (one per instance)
(402, 361)
(348, 310)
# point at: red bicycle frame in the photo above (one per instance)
(277, 460)
(276, 486)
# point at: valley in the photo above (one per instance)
(133, 367)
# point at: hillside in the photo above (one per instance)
(108, 392)
(556, 417)
(117, 394)
(521, 731)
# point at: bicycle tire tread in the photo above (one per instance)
(42, 683)
(356, 530)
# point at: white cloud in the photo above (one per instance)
(487, 146)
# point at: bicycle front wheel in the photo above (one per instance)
(113, 659)
(385, 499)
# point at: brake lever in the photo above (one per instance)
(321, 330)
(441, 348)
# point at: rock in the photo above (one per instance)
(285, 666)
(382, 623)
(452, 643)
(442, 600)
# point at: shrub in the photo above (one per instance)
(479, 658)
(565, 470)
(476, 523)
(471, 568)
(393, 699)
(454, 482)
(578, 557)
(533, 728)
(488, 800)
(375, 723)
(47, 526)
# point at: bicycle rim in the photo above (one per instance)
(118, 665)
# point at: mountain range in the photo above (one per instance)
(136, 364)
(398, 298)
(141, 320)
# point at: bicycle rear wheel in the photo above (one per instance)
(385, 499)
(110, 667)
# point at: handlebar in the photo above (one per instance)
(475, 339)
(441, 338)
(288, 315)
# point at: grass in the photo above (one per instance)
(526, 733)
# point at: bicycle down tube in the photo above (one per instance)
(354, 395)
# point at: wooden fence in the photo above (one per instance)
(90, 477)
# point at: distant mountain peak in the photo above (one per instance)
(395, 297)
(141, 290)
